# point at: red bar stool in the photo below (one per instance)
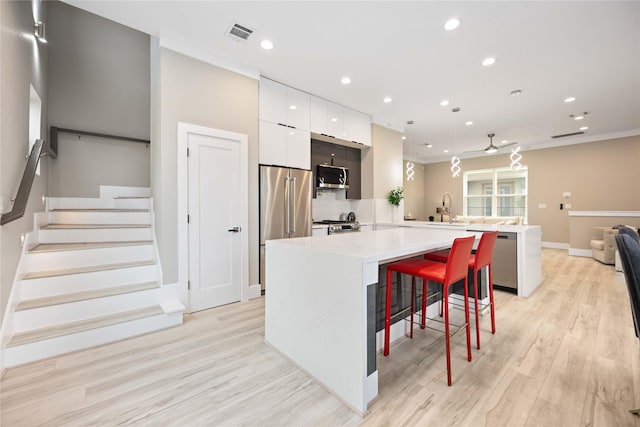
(482, 258)
(454, 270)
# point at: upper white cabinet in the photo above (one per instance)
(284, 105)
(335, 120)
(284, 146)
(318, 113)
(331, 119)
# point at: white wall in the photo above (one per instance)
(23, 63)
(192, 91)
(99, 82)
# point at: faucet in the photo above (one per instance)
(448, 210)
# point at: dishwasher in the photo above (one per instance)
(505, 262)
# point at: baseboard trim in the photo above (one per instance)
(555, 245)
(255, 291)
(580, 252)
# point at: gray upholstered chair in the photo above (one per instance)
(603, 244)
(629, 251)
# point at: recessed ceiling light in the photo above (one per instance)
(569, 99)
(489, 61)
(334, 119)
(386, 100)
(469, 123)
(404, 137)
(266, 44)
(578, 118)
(504, 141)
(428, 145)
(446, 151)
(345, 80)
(451, 24)
(584, 128)
(293, 107)
(444, 102)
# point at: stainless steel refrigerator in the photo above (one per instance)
(285, 206)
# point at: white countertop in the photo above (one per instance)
(462, 225)
(380, 245)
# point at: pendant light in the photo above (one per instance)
(455, 160)
(515, 152)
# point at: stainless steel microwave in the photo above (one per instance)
(332, 176)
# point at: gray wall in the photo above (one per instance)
(23, 62)
(188, 90)
(98, 81)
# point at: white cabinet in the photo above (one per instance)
(272, 101)
(284, 105)
(357, 127)
(321, 231)
(335, 120)
(331, 119)
(361, 128)
(298, 148)
(284, 146)
(297, 109)
(318, 115)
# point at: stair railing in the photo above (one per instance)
(22, 197)
(54, 130)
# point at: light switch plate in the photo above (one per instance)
(566, 194)
(542, 205)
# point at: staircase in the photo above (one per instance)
(89, 274)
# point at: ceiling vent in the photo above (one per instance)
(567, 134)
(239, 32)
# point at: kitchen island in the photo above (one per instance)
(320, 304)
(524, 263)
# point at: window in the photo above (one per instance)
(510, 200)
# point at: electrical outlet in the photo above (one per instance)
(542, 205)
(567, 205)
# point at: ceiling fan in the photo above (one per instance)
(492, 148)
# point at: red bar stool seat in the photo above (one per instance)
(482, 258)
(454, 270)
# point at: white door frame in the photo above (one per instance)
(184, 129)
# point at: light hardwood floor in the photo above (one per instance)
(566, 356)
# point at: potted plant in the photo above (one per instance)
(395, 196)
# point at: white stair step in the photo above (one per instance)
(85, 295)
(91, 226)
(132, 202)
(100, 216)
(78, 233)
(63, 260)
(56, 247)
(112, 191)
(138, 324)
(79, 203)
(54, 285)
(89, 269)
(82, 325)
(40, 317)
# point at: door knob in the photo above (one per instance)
(234, 230)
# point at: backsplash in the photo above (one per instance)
(331, 204)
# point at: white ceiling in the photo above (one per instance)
(548, 49)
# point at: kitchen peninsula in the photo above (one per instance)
(320, 304)
(321, 301)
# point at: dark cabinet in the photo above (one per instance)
(352, 162)
(338, 155)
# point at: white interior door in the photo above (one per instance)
(214, 200)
